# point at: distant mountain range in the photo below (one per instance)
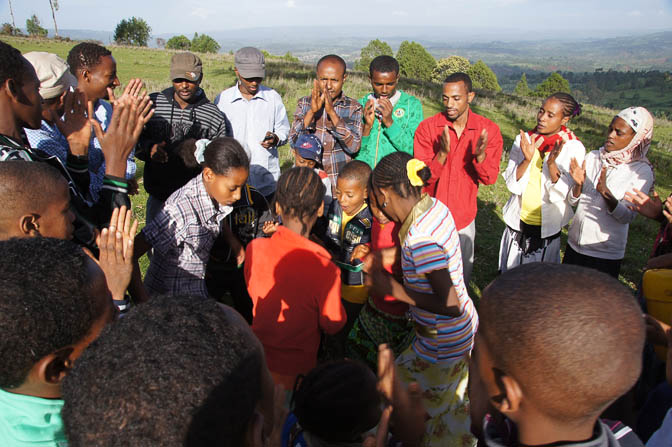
(582, 52)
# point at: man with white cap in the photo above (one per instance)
(180, 112)
(258, 119)
(55, 81)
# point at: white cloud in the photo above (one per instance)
(635, 13)
(399, 13)
(291, 3)
(201, 13)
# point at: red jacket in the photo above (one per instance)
(455, 183)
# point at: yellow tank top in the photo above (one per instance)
(530, 212)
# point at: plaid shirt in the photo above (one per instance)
(340, 143)
(182, 235)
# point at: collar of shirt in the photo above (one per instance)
(418, 209)
(472, 119)
(211, 211)
(292, 239)
(239, 96)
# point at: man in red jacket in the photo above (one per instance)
(462, 149)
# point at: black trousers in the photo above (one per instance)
(609, 266)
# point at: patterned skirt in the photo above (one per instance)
(374, 327)
(444, 388)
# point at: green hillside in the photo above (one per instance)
(511, 113)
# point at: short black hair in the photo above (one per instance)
(12, 63)
(300, 192)
(86, 55)
(337, 401)
(384, 64)
(460, 77)
(573, 337)
(177, 370)
(570, 106)
(391, 172)
(26, 186)
(333, 58)
(44, 304)
(356, 170)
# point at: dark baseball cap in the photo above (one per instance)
(186, 66)
(309, 147)
(250, 63)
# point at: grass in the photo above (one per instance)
(511, 113)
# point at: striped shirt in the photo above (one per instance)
(340, 143)
(172, 124)
(182, 235)
(429, 242)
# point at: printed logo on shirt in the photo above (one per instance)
(399, 113)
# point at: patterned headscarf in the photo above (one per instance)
(641, 122)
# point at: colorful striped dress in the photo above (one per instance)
(438, 357)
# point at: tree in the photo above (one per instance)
(11, 12)
(204, 44)
(6, 29)
(522, 89)
(415, 61)
(449, 65)
(54, 8)
(134, 31)
(178, 43)
(33, 27)
(372, 50)
(553, 84)
(483, 78)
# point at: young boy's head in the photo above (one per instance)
(174, 371)
(556, 345)
(95, 70)
(54, 302)
(20, 99)
(307, 151)
(351, 186)
(337, 402)
(34, 201)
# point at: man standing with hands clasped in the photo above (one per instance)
(335, 119)
(463, 150)
(258, 119)
(390, 115)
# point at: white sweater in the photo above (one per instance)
(596, 231)
(555, 210)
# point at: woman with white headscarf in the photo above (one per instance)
(599, 232)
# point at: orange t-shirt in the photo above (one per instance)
(296, 292)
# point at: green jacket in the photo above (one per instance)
(382, 140)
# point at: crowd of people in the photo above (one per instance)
(326, 305)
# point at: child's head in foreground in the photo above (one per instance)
(34, 201)
(556, 345)
(225, 166)
(337, 402)
(174, 371)
(54, 302)
(352, 185)
(300, 197)
(307, 151)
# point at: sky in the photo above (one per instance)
(543, 18)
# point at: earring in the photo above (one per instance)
(384, 204)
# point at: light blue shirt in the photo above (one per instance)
(50, 140)
(250, 120)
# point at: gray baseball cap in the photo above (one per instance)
(250, 63)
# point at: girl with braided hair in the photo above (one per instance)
(444, 317)
(294, 286)
(538, 178)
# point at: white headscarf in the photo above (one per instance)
(641, 122)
